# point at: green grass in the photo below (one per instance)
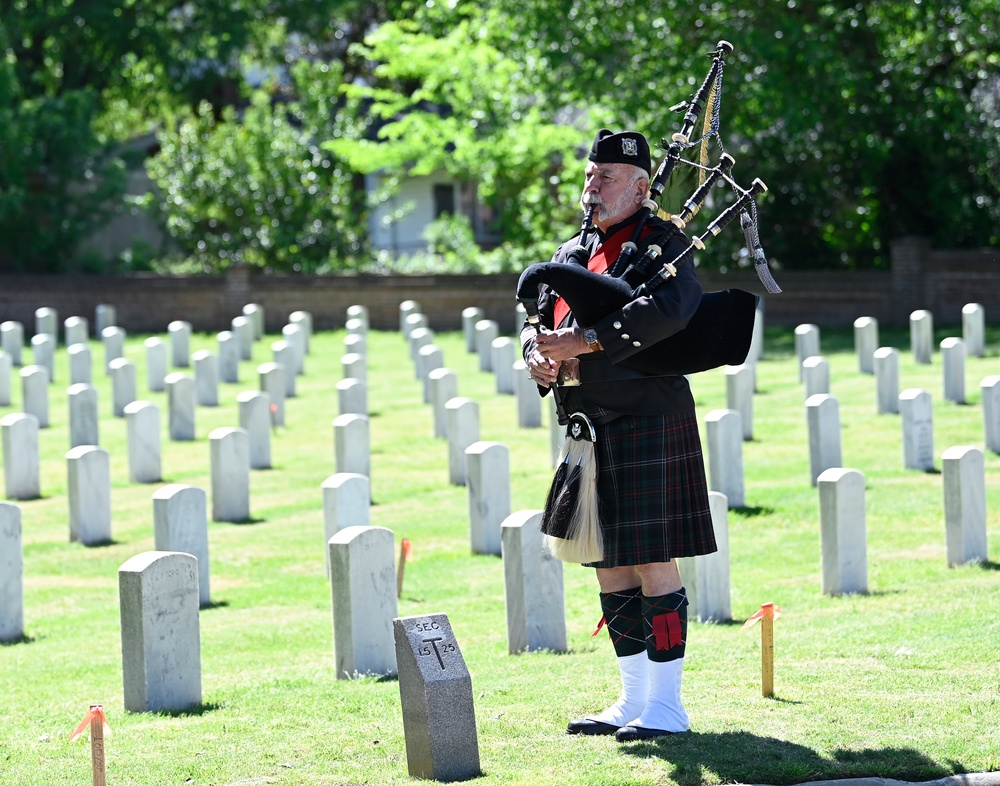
(901, 682)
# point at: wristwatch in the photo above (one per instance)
(590, 336)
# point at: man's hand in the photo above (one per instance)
(542, 370)
(561, 344)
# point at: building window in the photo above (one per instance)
(444, 199)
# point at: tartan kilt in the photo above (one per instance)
(652, 490)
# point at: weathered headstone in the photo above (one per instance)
(21, 467)
(5, 369)
(990, 387)
(419, 338)
(529, 403)
(304, 321)
(355, 343)
(886, 360)
(843, 531)
(242, 327)
(470, 318)
(724, 434)
(463, 430)
(123, 385)
(47, 322)
(180, 523)
(43, 347)
(429, 358)
(407, 308)
(113, 340)
(823, 422)
(360, 313)
(706, 577)
(230, 469)
(533, 586)
(488, 482)
(487, 330)
(142, 427)
(206, 378)
(352, 448)
(739, 395)
(503, 353)
(255, 419)
(921, 336)
(435, 689)
(816, 375)
(35, 393)
(295, 337)
(443, 383)
(160, 633)
(806, 343)
(179, 332)
(271, 377)
(156, 364)
(83, 415)
(363, 586)
(105, 316)
(354, 367)
(964, 469)
(865, 343)
(352, 397)
(80, 364)
(12, 340)
(953, 369)
(76, 330)
(413, 322)
(346, 503)
(229, 356)
(917, 417)
(180, 406)
(974, 329)
(88, 470)
(255, 313)
(11, 573)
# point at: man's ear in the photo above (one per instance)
(642, 188)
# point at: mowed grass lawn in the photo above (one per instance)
(900, 682)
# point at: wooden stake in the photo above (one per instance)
(767, 655)
(405, 550)
(97, 745)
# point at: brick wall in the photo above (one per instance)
(921, 278)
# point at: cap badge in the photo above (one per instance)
(630, 147)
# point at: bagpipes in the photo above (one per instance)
(719, 333)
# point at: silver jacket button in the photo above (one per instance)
(618, 325)
(625, 336)
(636, 343)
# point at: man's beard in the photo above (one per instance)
(603, 212)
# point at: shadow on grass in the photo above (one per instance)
(987, 565)
(752, 511)
(215, 604)
(193, 711)
(22, 639)
(742, 757)
(241, 522)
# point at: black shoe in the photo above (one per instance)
(588, 726)
(632, 733)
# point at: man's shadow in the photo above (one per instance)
(742, 757)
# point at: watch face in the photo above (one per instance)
(590, 335)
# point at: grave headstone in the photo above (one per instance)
(180, 523)
(346, 503)
(242, 327)
(206, 378)
(706, 577)
(304, 321)
(230, 469)
(529, 403)
(443, 383)
(964, 470)
(229, 356)
(406, 308)
(5, 369)
(255, 313)
(142, 427)
(35, 393)
(352, 397)
(11, 574)
(160, 631)
(435, 689)
(990, 387)
(83, 415)
(360, 313)
(179, 333)
(557, 432)
(886, 361)
(865, 343)
(921, 336)
(43, 348)
(816, 375)
(757, 335)
(739, 395)
(463, 430)
(105, 316)
(917, 416)
(180, 406)
(271, 377)
(953, 369)
(843, 531)
(76, 330)
(352, 449)
(12, 340)
(470, 318)
(363, 586)
(355, 344)
(255, 419)
(295, 337)
(419, 338)
(487, 330)
(47, 322)
(724, 434)
(413, 322)
(533, 587)
(80, 365)
(974, 329)
(354, 367)
(21, 467)
(123, 385)
(823, 421)
(429, 358)
(488, 482)
(156, 364)
(88, 470)
(806, 343)
(113, 339)
(504, 353)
